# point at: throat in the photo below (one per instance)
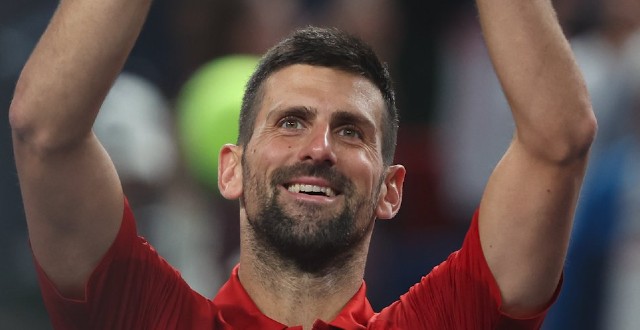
(301, 298)
(289, 282)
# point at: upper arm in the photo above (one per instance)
(73, 203)
(71, 193)
(528, 206)
(525, 221)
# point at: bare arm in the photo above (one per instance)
(528, 206)
(71, 192)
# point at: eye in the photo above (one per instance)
(350, 132)
(290, 123)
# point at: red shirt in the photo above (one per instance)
(134, 288)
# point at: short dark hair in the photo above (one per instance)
(327, 47)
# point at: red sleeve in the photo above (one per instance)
(460, 293)
(131, 288)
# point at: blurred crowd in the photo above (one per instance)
(455, 125)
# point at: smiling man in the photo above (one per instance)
(312, 171)
(317, 140)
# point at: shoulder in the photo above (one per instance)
(132, 287)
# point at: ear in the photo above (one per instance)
(391, 192)
(230, 171)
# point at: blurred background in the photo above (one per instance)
(168, 112)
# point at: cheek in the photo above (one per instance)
(264, 158)
(363, 172)
(267, 151)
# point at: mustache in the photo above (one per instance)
(337, 180)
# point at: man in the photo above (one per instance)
(312, 170)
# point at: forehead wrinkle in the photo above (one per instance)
(359, 93)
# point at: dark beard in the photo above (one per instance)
(305, 241)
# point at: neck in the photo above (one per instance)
(292, 296)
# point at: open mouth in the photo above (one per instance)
(310, 189)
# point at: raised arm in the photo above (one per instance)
(528, 206)
(72, 196)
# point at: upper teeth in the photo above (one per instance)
(296, 188)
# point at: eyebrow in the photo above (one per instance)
(339, 117)
(295, 111)
(345, 117)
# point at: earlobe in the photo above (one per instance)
(390, 197)
(230, 171)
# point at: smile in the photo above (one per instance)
(311, 189)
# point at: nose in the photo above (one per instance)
(318, 146)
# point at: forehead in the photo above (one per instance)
(322, 88)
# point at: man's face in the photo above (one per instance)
(313, 169)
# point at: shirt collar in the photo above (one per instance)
(235, 309)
